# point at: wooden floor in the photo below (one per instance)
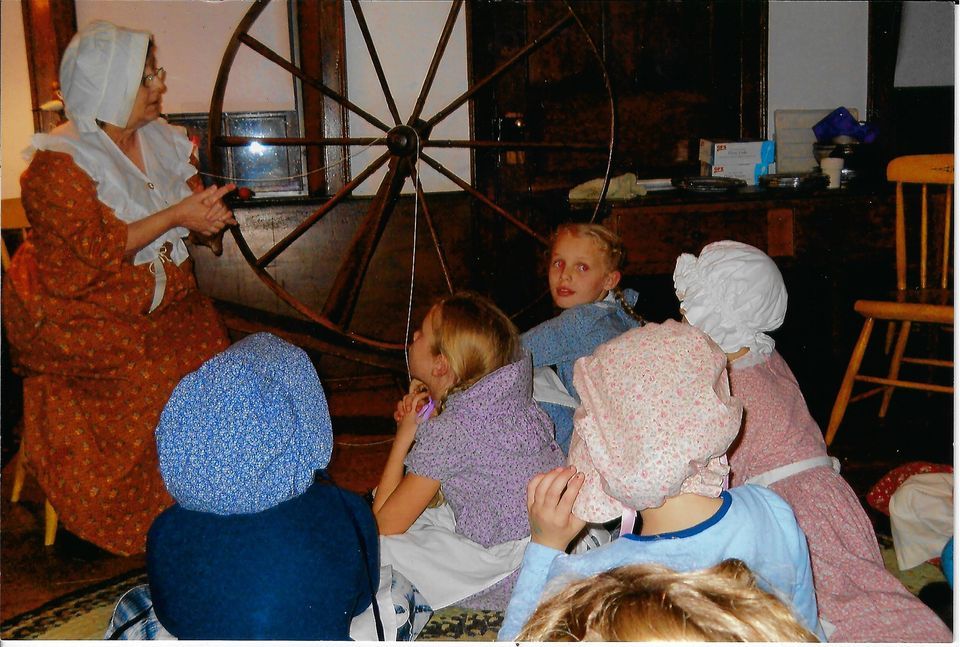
(919, 427)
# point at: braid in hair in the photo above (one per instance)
(636, 316)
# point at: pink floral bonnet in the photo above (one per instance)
(656, 419)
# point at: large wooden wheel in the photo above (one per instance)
(403, 141)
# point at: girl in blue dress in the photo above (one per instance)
(585, 270)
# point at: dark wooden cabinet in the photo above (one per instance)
(679, 70)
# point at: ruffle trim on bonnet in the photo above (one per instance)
(732, 292)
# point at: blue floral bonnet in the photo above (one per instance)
(246, 431)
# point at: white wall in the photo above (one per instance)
(190, 38)
(405, 62)
(17, 120)
(926, 53)
(817, 56)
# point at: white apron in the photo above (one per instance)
(444, 566)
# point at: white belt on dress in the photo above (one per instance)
(160, 277)
(779, 473)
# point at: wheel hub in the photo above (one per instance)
(402, 140)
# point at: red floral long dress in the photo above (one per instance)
(97, 367)
(855, 592)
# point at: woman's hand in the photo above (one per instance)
(205, 212)
(550, 498)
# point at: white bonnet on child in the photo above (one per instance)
(655, 420)
(734, 293)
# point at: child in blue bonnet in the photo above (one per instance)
(486, 440)
(260, 544)
(585, 262)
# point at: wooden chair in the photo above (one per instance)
(12, 216)
(930, 303)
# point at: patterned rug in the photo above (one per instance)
(83, 614)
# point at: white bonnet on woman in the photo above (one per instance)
(101, 73)
(734, 293)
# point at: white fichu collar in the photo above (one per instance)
(129, 192)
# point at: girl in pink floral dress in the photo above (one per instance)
(735, 293)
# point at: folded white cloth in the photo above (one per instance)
(921, 518)
(547, 387)
(444, 566)
(364, 626)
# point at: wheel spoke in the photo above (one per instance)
(531, 47)
(240, 140)
(292, 237)
(519, 224)
(375, 59)
(613, 113)
(215, 121)
(482, 143)
(272, 56)
(441, 256)
(258, 320)
(435, 63)
(346, 285)
(312, 335)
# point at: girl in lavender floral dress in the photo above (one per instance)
(488, 439)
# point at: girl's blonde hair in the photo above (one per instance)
(475, 337)
(648, 602)
(610, 245)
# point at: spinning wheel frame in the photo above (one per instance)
(405, 141)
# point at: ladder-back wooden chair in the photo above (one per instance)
(12, 216)
(928, 300)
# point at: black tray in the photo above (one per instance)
(708, 184)
(794, 181)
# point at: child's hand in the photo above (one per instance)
(416, 387)
(550, 498)
(406, 415)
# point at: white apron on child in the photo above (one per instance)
(444, 566)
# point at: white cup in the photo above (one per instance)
(831, 167)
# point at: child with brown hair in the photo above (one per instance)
(584, 275)
(648, 602)
(488, 439)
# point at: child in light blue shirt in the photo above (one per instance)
(651, 436)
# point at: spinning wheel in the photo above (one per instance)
(404, 142)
